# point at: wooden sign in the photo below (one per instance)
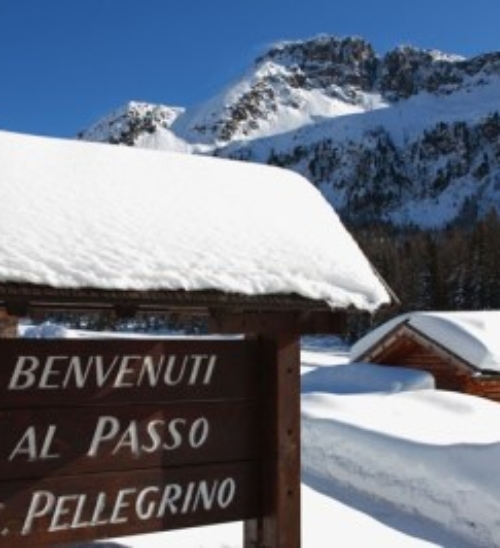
(95, 506)
(38, 442)
(112, 437)
(84, 371)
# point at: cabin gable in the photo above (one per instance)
(406, 346)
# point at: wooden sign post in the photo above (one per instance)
(280, 524)
(104, 438)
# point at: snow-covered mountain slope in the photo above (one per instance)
(411, 137)
(132, 123)
(424, 161)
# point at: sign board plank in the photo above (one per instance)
(112, 437)
(40, 441)
(90, 371)
(47, 512)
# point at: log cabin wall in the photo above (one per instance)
(447, 375)
(405, 349)
(485, 387)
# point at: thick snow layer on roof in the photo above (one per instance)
(76, 214)
(473, 336)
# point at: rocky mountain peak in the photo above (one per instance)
(323, 49)
(127, 123)
(327, 61)
(288, 86)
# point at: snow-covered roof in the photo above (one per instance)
(85, 215)
(474, 336)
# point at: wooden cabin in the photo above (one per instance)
(458, 348)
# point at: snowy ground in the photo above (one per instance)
(387, 461)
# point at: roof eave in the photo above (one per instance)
(227, 312)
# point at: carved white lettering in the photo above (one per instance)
(210, 370)
(76, 522)
(97, 514)
(45, 452)
(104, 373)
(170, 370)
(156, 435)
(78, 371)
(62, 508)
(50, 371)
(145, 513)
(198, 433)
(176, 437)
(23, 376)
(152, 370)
(106, 429)
(206, 495)
(188, 497)
(210, 495)
(226, 492)
(119, 371)
(124, 371)
(41, 504)
(171, 494)
(64, 512)
(28, 446)
(130, 439)
(120, 505)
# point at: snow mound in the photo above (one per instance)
(77, 214)
(363, 378)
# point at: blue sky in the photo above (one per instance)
(65, 63)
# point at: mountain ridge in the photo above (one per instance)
(408, 138)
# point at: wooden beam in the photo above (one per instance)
(34, 296)
(280, 526)
(298, 323)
